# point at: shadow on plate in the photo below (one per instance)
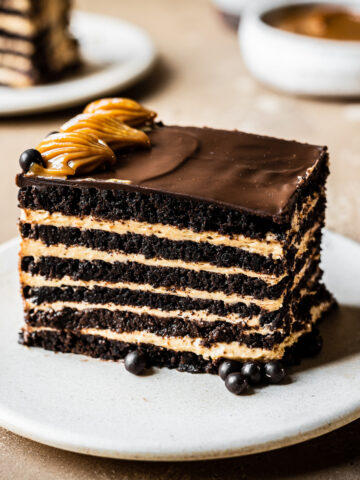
(341, 333)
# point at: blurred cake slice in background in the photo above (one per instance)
(35, 43)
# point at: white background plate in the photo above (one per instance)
(96, 407)
(115, 54)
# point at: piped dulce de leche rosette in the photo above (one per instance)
(185, 247)
(86, 142)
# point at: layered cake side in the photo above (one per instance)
(35, 44)
(193, 246)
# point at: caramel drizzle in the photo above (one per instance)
(86, 142)
(70, 153)
(110, 129)
(126, 110)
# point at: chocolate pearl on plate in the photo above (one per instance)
(236, 383)
(252, 372)
(274, 371)
(228, 366)
(312, 345)
(135, 362)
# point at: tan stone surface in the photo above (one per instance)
(200, 80)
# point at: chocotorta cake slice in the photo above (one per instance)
(35, 43)
(188, 246)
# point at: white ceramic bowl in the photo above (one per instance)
(299, 64)
(231, 7)
(231, 10)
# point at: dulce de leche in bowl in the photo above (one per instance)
(304, 48)
(333, 22)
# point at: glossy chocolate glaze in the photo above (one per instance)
(243, 171)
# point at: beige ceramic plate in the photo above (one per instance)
(96, 407)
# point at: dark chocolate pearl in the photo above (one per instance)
(292, 357)
(29, 157)
(51, 133)
(274, 371)
(236, 383)
(135, 362)
(312, 345)
(315, 331)
(252, 372)
(228, 366)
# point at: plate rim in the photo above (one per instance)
(286, 441)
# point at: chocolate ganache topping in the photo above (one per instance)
(243, 171)
(86, 142)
